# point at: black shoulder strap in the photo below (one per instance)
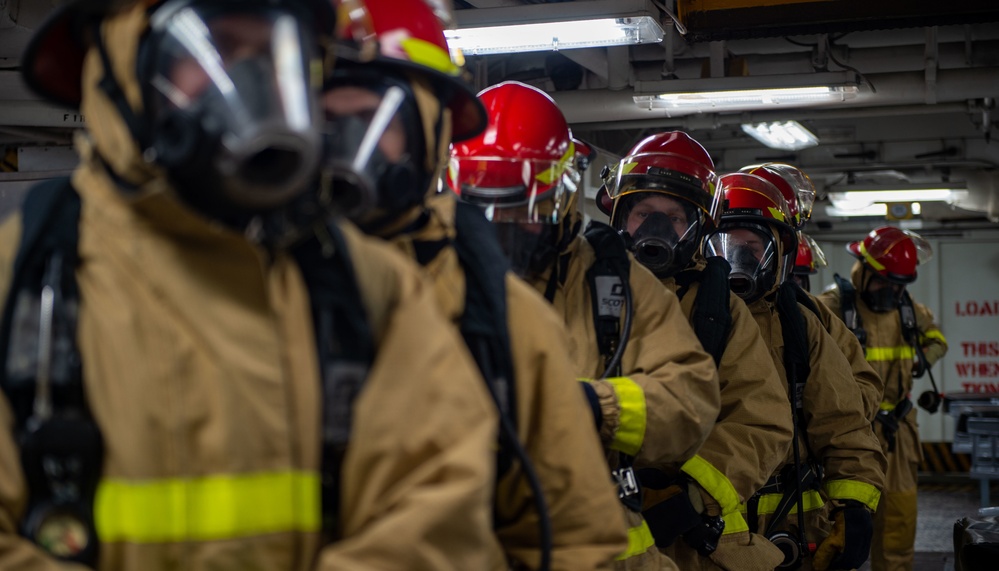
(796, 353)
(485, 330)
(607, 278)
(484, 321)
(848, 308)
(802, 297)
(41, 371)
(712, 316)
(49, 237)
(346, 350)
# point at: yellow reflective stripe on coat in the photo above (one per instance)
(932, 334)
(631, 428)
(639, 541)
(887, 406)
(735, 522)
(889, 353)
(209, 508)
(720, 488)
(768, 503)
(851, 490)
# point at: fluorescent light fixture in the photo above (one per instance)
(742, 99)
(548, 36)
(681, 96)
(858, 198)
(781, 135)
(877, 209)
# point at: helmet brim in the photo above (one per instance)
(854, 249)
(52, 64)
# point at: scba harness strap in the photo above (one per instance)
(41, 374)
(610, 291)
(712, 316)
(610, 288)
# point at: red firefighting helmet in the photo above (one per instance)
(776, 176)
(751, 198)
(892, 252)
(810, 256)
(525, 156)
(670, 163)
(408, 36)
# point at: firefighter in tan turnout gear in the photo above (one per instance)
(653, 389)
(214, 421)
(835, 469)
(797, 190)
(663, 195)
(900, 341)
(555, 508)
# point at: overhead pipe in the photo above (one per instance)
(902, 88)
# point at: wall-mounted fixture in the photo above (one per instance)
(781, 135)
(553, 27)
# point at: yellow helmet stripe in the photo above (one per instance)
(430, 55)
(551, 174)
(870, 259)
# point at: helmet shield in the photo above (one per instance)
(670, 174)
(810, 256)
(754, 255)
(230, 99)
(535, 191)
(801, 185)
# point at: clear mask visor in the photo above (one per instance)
(244, 73)
(754, 257)
(371, 151)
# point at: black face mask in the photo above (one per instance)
(748, 279)
(656, 244)
(530, 254)
(742, 278)
(881, 301)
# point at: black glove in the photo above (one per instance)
(669, 509)
(849, 544)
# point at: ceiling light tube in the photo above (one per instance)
(876, 209)
(747, 98)
(781, 135)
(711, 94)
(549, 36)
(859, 197)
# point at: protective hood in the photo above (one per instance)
(108, 131)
